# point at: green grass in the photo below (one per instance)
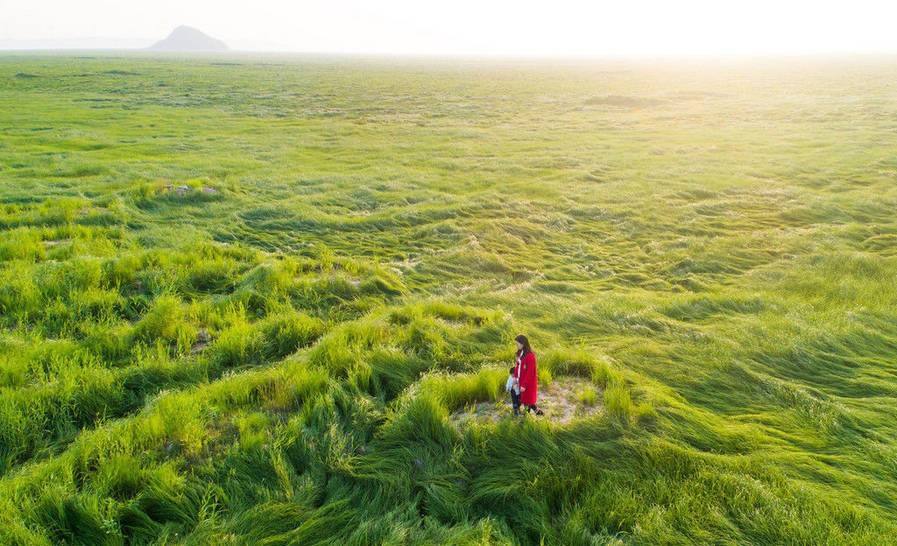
(587, 397)
(241, 297)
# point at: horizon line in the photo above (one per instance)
(465, 55)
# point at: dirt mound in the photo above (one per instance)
(565, 399)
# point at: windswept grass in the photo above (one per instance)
(242, 298)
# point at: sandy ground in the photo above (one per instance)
(560, 401)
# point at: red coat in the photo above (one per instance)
(525, 370)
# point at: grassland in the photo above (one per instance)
(241, 298)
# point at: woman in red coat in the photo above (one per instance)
(525, 370)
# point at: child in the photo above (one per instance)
(512, 385)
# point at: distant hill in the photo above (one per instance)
(185, 38)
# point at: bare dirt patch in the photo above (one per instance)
(202, 341)
(625, 101)
(183, 189)
(565, 399)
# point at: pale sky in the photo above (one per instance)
(477, 27)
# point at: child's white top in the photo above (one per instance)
(512, 383)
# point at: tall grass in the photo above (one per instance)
(274, 355)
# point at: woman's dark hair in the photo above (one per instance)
(525, 342)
